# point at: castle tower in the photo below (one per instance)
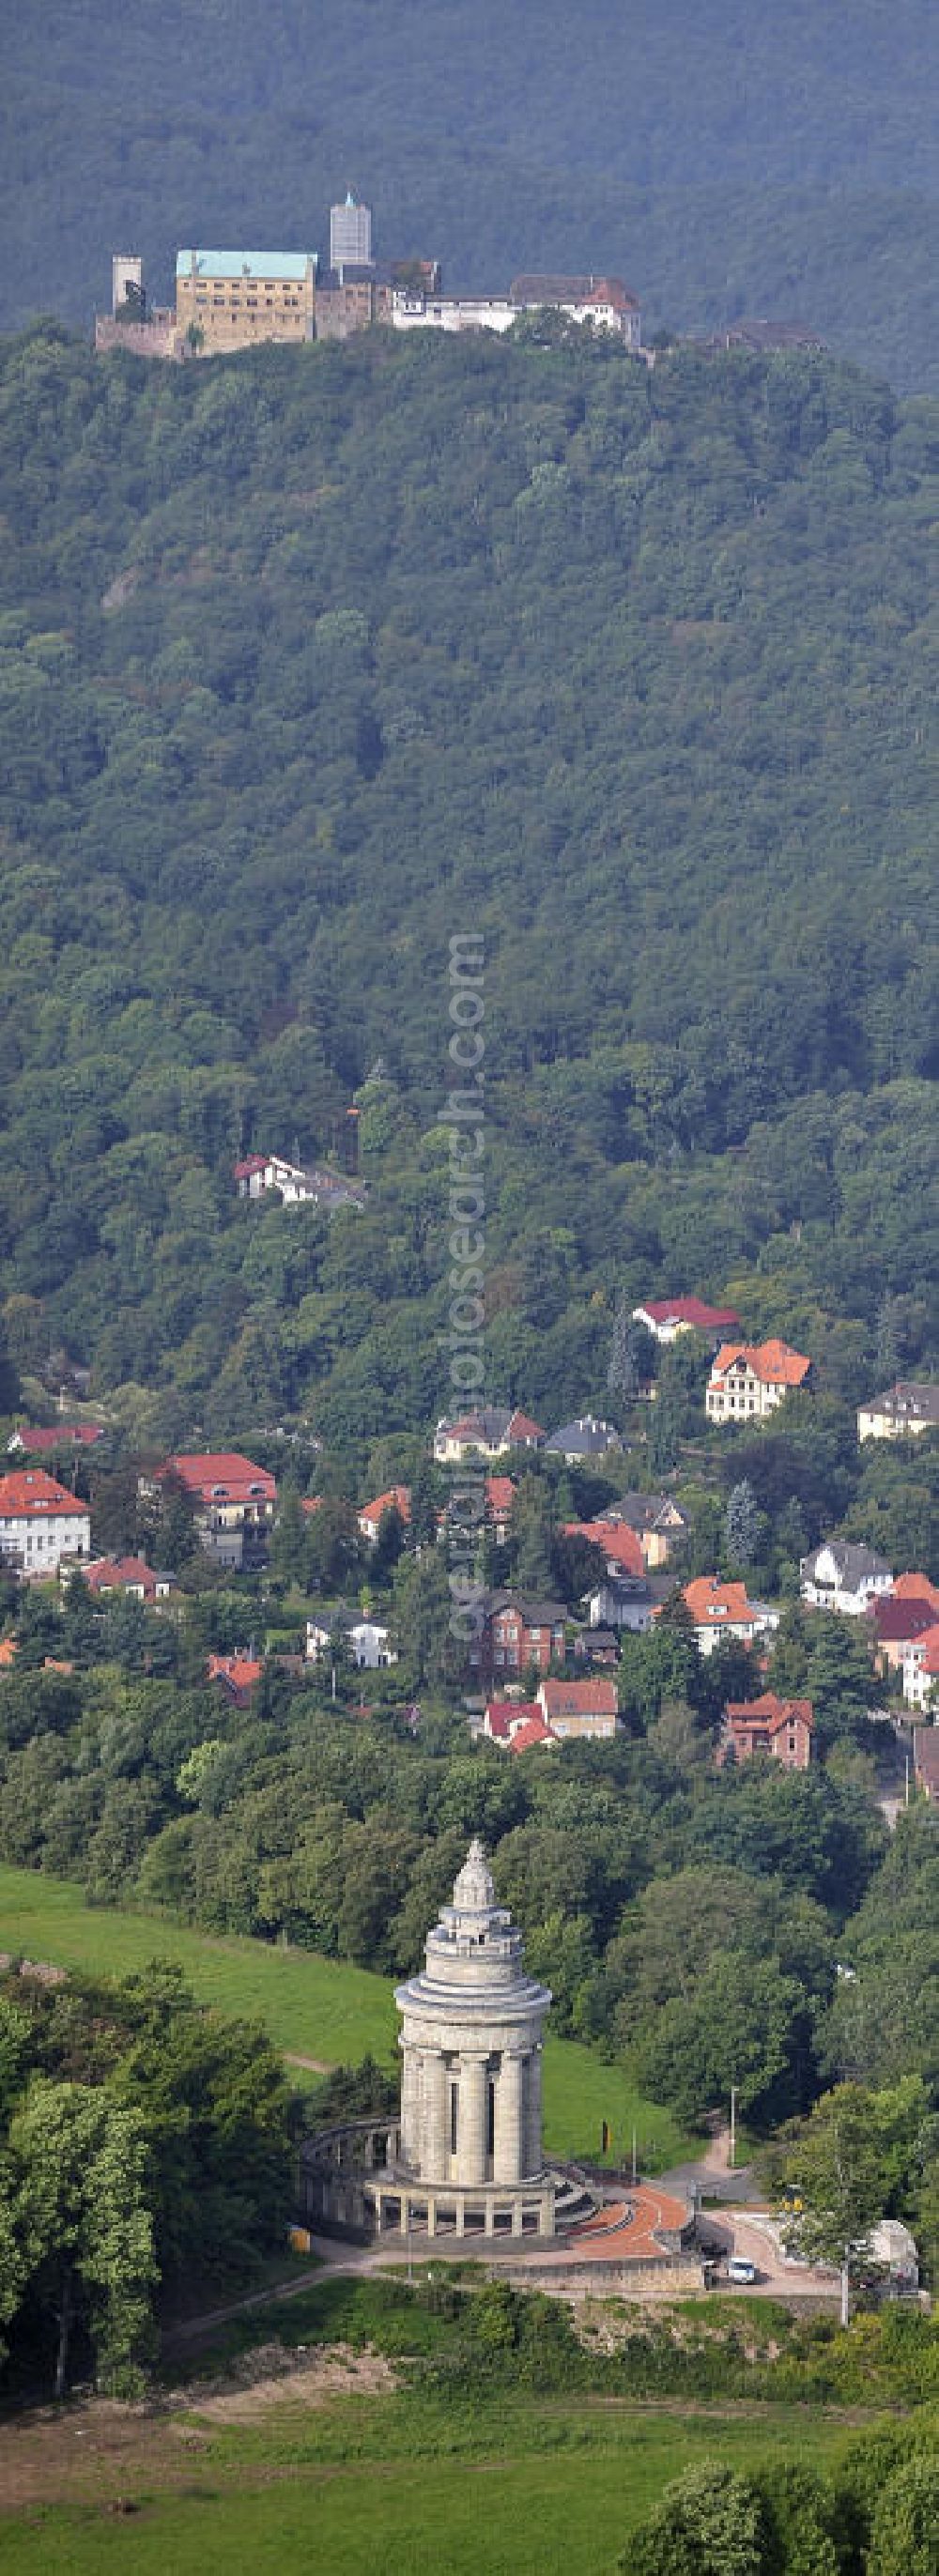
(350, 234)
(471, 2047)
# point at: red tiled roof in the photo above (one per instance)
(504, 1715)
(111, 1573)
(397, 1499)
(521, 1427)
(916, 1587)
(773, 1363)
(38, 1439)
(769, 1712)
(690, 1310)
(533, 1732)
(31, 1494)
(252, 1163)
(241, 1672)
(311, 1503)
(716, 1604)
(223, 1473)
(500, 1493)
(579, 1699)
(8, 1651)
(618, 1542)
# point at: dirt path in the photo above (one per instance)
(314, 2065)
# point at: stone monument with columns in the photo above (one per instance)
(471, 2049)
(465, 2157)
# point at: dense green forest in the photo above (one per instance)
(312, 660)
(724, 158)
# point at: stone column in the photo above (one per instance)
(474, 2120)
(434, 2164)
(533, 2157)
(410, 2106)
(508, 2161)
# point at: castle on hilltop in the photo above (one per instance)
(234, 299)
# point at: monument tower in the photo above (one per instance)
(471, 2046)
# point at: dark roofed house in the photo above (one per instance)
(907, 1410)
(585, 1438)
(845, 1575)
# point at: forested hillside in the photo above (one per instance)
(312, 660)
(724, 158)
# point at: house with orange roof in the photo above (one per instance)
(40, 1523)
(779, 1728)
(622, 1552)
(916, 1587)
(237, 1675)
(579, 1709)
(500, 1494)
(534, 1734)
(234, 1502)
(748, 1380)
(721, 1609)
(397, 1499)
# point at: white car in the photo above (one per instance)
(739, 2269)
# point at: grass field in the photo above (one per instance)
(313, 2007)
(552, 2488)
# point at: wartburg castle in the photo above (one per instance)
(232, 299)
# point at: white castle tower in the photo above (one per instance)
(471, 2047)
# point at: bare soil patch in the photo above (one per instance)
(96, 2452)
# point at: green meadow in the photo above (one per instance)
(314, 2008)
(541, 2486)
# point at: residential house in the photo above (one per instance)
(503, 1717)
(130, 1575)
(666, 1317)
(621, 1601)
(721, 1609)
(517, 1633)
(619, 1545)
(260, 1173)
(658, 1521)
(585, 1438)
(581, 1708)
(487, 1431)
(920, 1669)
(846, 1576)
(895, 1624)
(907, 1410)
(370, 1645)
(34, 1440)
(397, 1499)
(500, 1494)
(237, 1677)
(234, 1503)
(367, 1641)
(780, 1728)
(40, 1523)
(749, 1379)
